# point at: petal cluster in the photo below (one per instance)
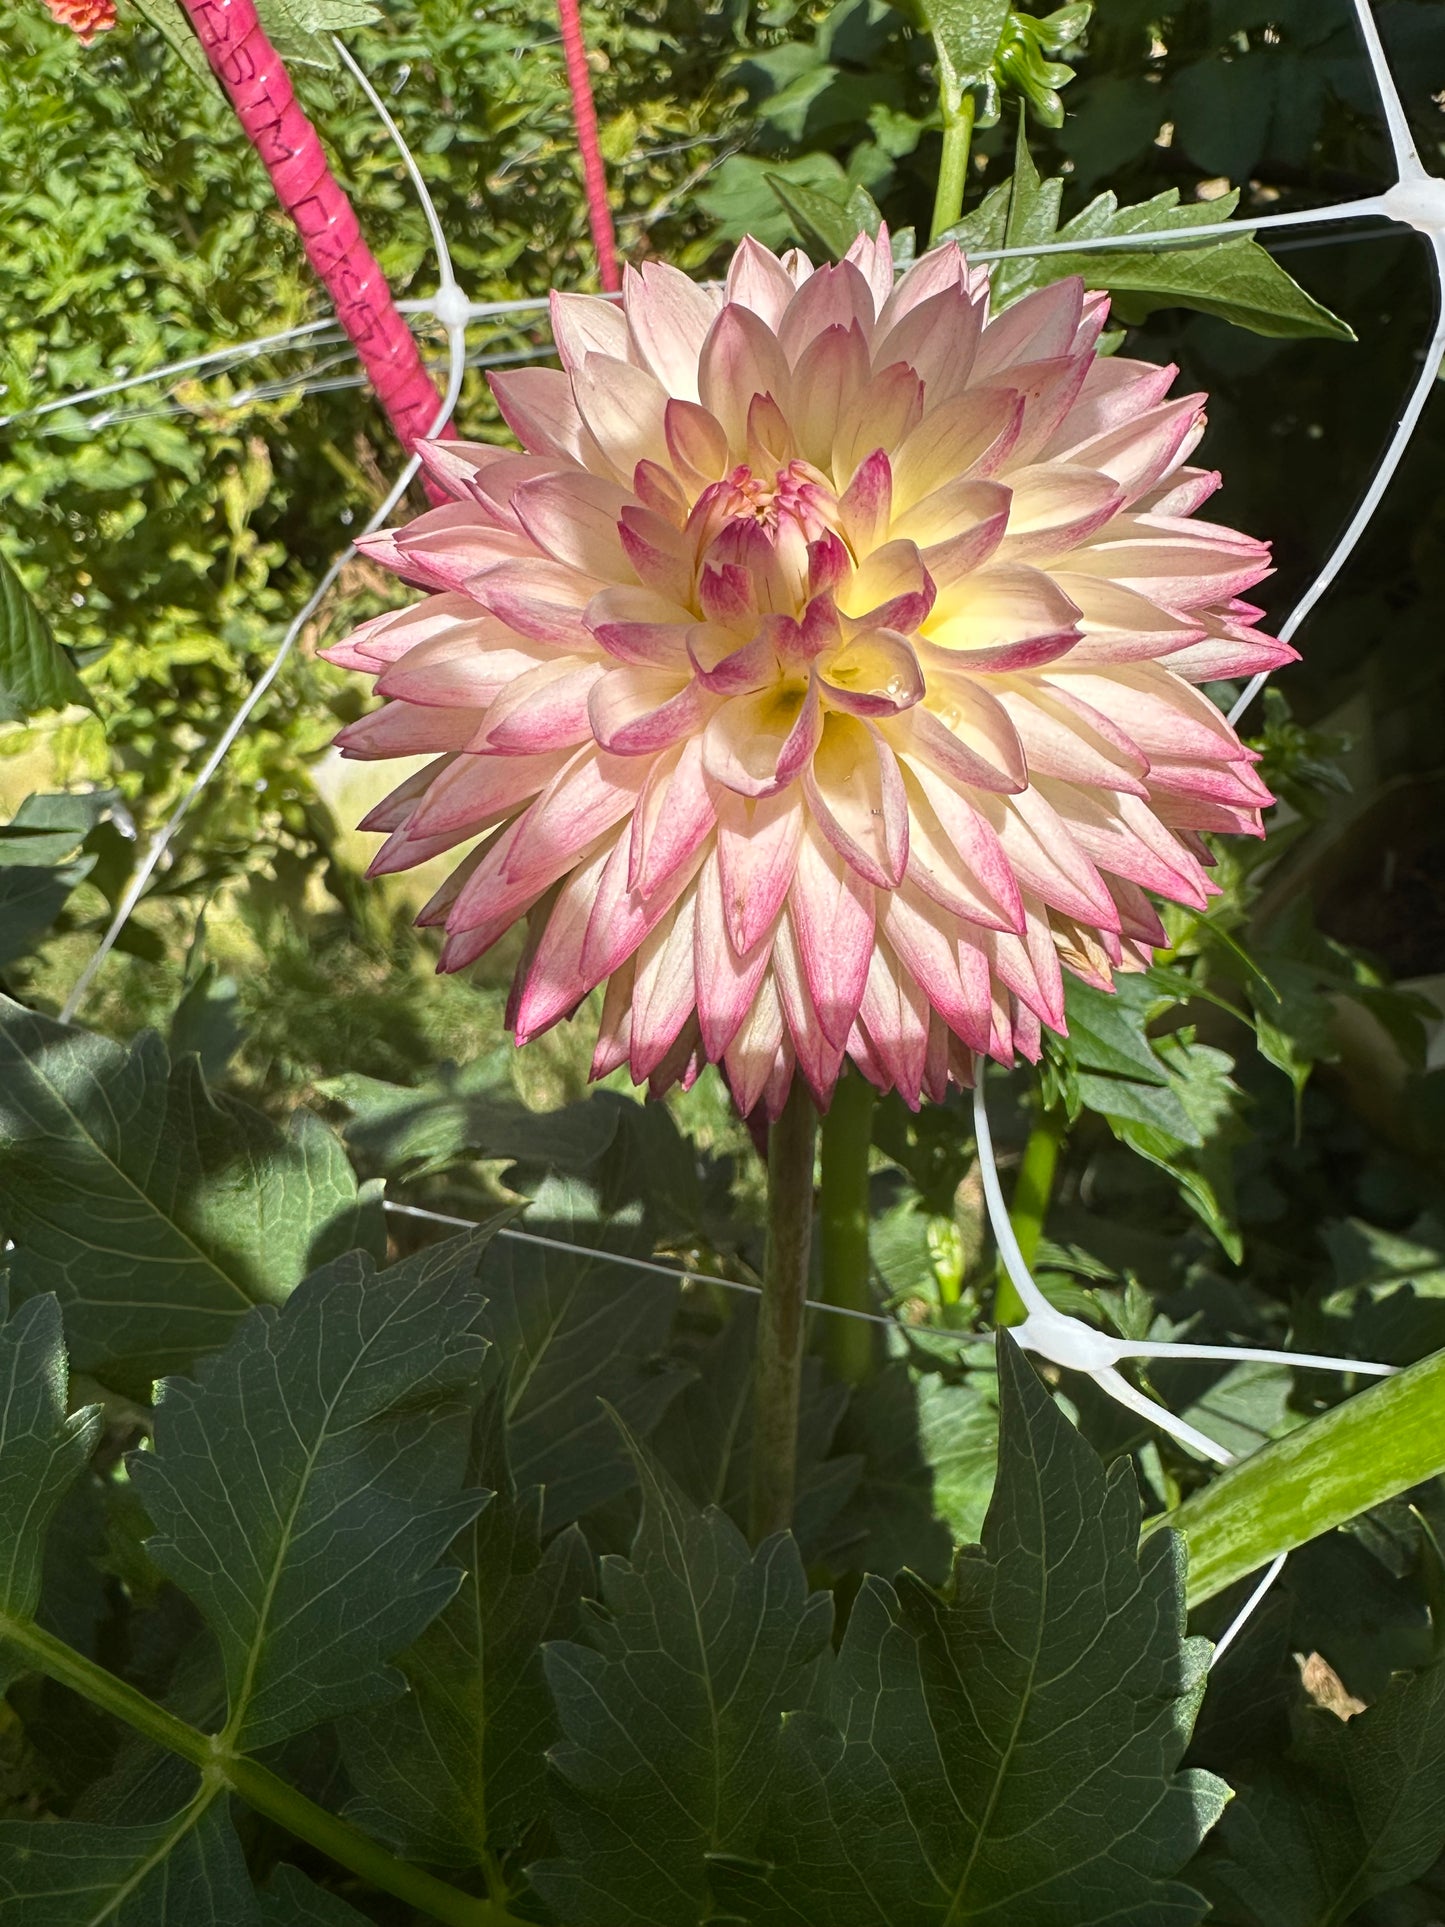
(820, 677)
(85, 18)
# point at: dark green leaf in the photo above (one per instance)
(1358, 1810)
(184, 1872)
(891, 1521)
(305, 1482)
(671, 1713)
(156, 1211)
(958, 1430)
(740, 199)
(42, 1451)
(1232, 277)
(1004, 1751)
(39, 865)
(1107, 1033)
(456, 1769)
(206, 1023)
(35, 672)
(705, 1439)
(1390, 1298)
(1201, 1157)
(466, 1111)
(289, 1899)
(818, 218)
(570, 1332)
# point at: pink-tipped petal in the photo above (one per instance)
(668, 317)
(674, 814)
(637, 712)
(855, 792)
(573, 519)
(546, 601)
(727, 984)
(757, 745)
(741, 358)
(664, 992)
(832, 908)
(757, 854)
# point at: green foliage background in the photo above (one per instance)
(1253, 1131)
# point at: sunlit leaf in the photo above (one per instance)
(35, 672)
(158, 1212)
(1357, 1455)
(1232, 277)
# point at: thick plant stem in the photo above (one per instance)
(594, 176)
(255, 79)
(260, 1788)
(777, 1370)
(953, 169)
(848, 1344)
(1029, 1208)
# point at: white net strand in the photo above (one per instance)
(1067, 1341)
(679, 1276)
(450, 305)
(1380, 481)
(1417, 200)
(1397, 126)
(1250, 1355)
(1160, 241)
(1247, 1611)
(213, 358)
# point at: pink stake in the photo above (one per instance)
(254, 76)
(584, 112)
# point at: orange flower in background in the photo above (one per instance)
(819, 678)
(85, 18)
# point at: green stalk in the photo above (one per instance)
(1358, 1455)
(778, 1365)
(848, 1344)
(953, 169)
(1029, 1208)
(252, 1782)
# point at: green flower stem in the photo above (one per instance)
(1361, 1453)
(1029, 1209)
(777, 1371)
(953, 170)
(848, 1344)
(252, 1782)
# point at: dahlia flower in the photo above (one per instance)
(85, 18)
(819, 677)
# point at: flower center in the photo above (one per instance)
(795, 495)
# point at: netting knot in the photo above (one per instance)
(1418, 200)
